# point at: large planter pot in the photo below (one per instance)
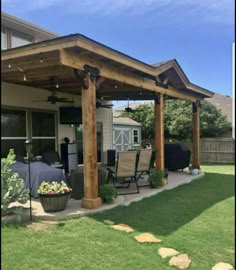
(54, 202)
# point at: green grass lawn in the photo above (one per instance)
(196, 218)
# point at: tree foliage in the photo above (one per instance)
(178, 120)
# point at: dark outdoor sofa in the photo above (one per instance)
(177, 156)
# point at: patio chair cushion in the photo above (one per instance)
(125, 171)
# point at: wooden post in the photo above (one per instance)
(196, 136)
(88, 99)
(159, 132)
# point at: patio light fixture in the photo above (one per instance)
(28, 147)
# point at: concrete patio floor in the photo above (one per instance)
(74, 209)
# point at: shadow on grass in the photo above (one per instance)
(167, 211)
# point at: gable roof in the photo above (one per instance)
(125, 121)
(141, 83)
(172, 69)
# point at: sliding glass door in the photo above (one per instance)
(79, 138)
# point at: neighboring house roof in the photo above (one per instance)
(224, 103)
(125, 121)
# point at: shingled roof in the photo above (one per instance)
(224, 103)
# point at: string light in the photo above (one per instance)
(41, 59)
(57, 85)
(9, 66)
(25, 78)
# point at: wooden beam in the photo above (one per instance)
(88, 101)
(196, 136)
(159, 132)
(69, 58)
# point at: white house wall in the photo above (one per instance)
(22, 96)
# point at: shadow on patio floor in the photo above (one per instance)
(171, 209)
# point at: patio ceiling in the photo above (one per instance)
(121, 77)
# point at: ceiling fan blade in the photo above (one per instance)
(65, 101)
(39, 100)
(61, 99)
(106, 106)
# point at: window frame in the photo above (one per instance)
(133, 136)
(9, 34)
(28, 112)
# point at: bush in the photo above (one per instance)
(107, 193)
(156, 178)
(13, 187)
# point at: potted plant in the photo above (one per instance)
(157, 178)
(107, 193)
(13, 191)
(193, 171)
(54, 195)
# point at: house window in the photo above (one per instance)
(3, 38)
(18, 125)
(135, 136)
(43, 132)
(20, 39)
(14, 131)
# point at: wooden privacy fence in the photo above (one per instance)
(216, 150)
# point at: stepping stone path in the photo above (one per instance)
(167, 252)
(123, 227)
(222, 266)
(43, 225)
(147, 238)
(181, 261)
(108, 222)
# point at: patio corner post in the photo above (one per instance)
(196, 135)
(159, 132)
(88, 100)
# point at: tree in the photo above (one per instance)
(178, 120)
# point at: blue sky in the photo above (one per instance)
(199, 34)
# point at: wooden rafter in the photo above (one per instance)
(70, 59)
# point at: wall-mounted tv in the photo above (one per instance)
(70, 115)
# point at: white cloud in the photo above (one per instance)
(203, 10)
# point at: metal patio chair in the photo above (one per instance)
(125, 171)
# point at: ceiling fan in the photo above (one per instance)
(128, 109)
(53, 98)
(99, 104)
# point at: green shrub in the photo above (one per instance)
(156, 178)
(107, 193)
(13, 187)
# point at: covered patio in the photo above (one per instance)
(94, 72)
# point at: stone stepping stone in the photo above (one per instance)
(167, 252)
(108, 222)
(222, 266)
(181, 261)
(147, 238)
(123, 227)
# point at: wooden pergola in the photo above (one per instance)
(85, 67)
